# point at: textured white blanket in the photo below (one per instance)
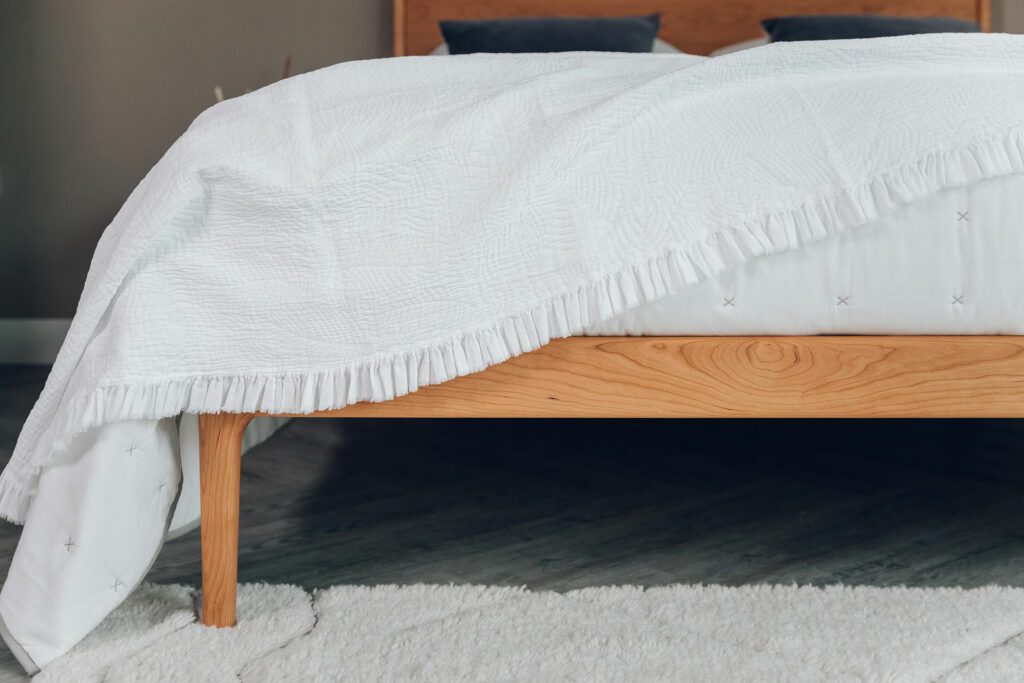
(357, 232)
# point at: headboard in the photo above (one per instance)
(694, 26)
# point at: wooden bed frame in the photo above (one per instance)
(611, 377)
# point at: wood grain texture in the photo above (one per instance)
(398, 29)
(734, 377)
(657, 377)
(220, 459)
(985, 14)
(693, 26)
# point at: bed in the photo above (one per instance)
(519, 236)
(939, 375)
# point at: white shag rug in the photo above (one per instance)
(482, 633)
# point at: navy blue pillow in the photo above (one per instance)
(839, 26)
(552, 34)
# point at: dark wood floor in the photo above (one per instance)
(565, 504)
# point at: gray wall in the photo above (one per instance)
(1008, 15)
(93, 91)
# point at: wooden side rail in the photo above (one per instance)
(657, 377)
(734, 377)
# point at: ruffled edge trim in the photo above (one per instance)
(386, 377)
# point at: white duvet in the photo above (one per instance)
(357, 232)
(950, 264)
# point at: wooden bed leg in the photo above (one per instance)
(220, 468)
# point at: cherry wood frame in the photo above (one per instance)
(603, 377)
(657, 377)
(694, 26)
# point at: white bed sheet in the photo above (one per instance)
(951, 264)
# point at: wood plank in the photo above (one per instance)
(694, 26)
(985, 14)
(398, 26)
(566, 504)
(665, 377)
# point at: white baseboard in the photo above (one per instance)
(31, 341)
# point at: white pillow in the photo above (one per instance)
(659, 46)
(664, 48)
(737, 47)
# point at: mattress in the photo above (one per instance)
(951, 264)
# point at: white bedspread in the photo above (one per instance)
(357, 232)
